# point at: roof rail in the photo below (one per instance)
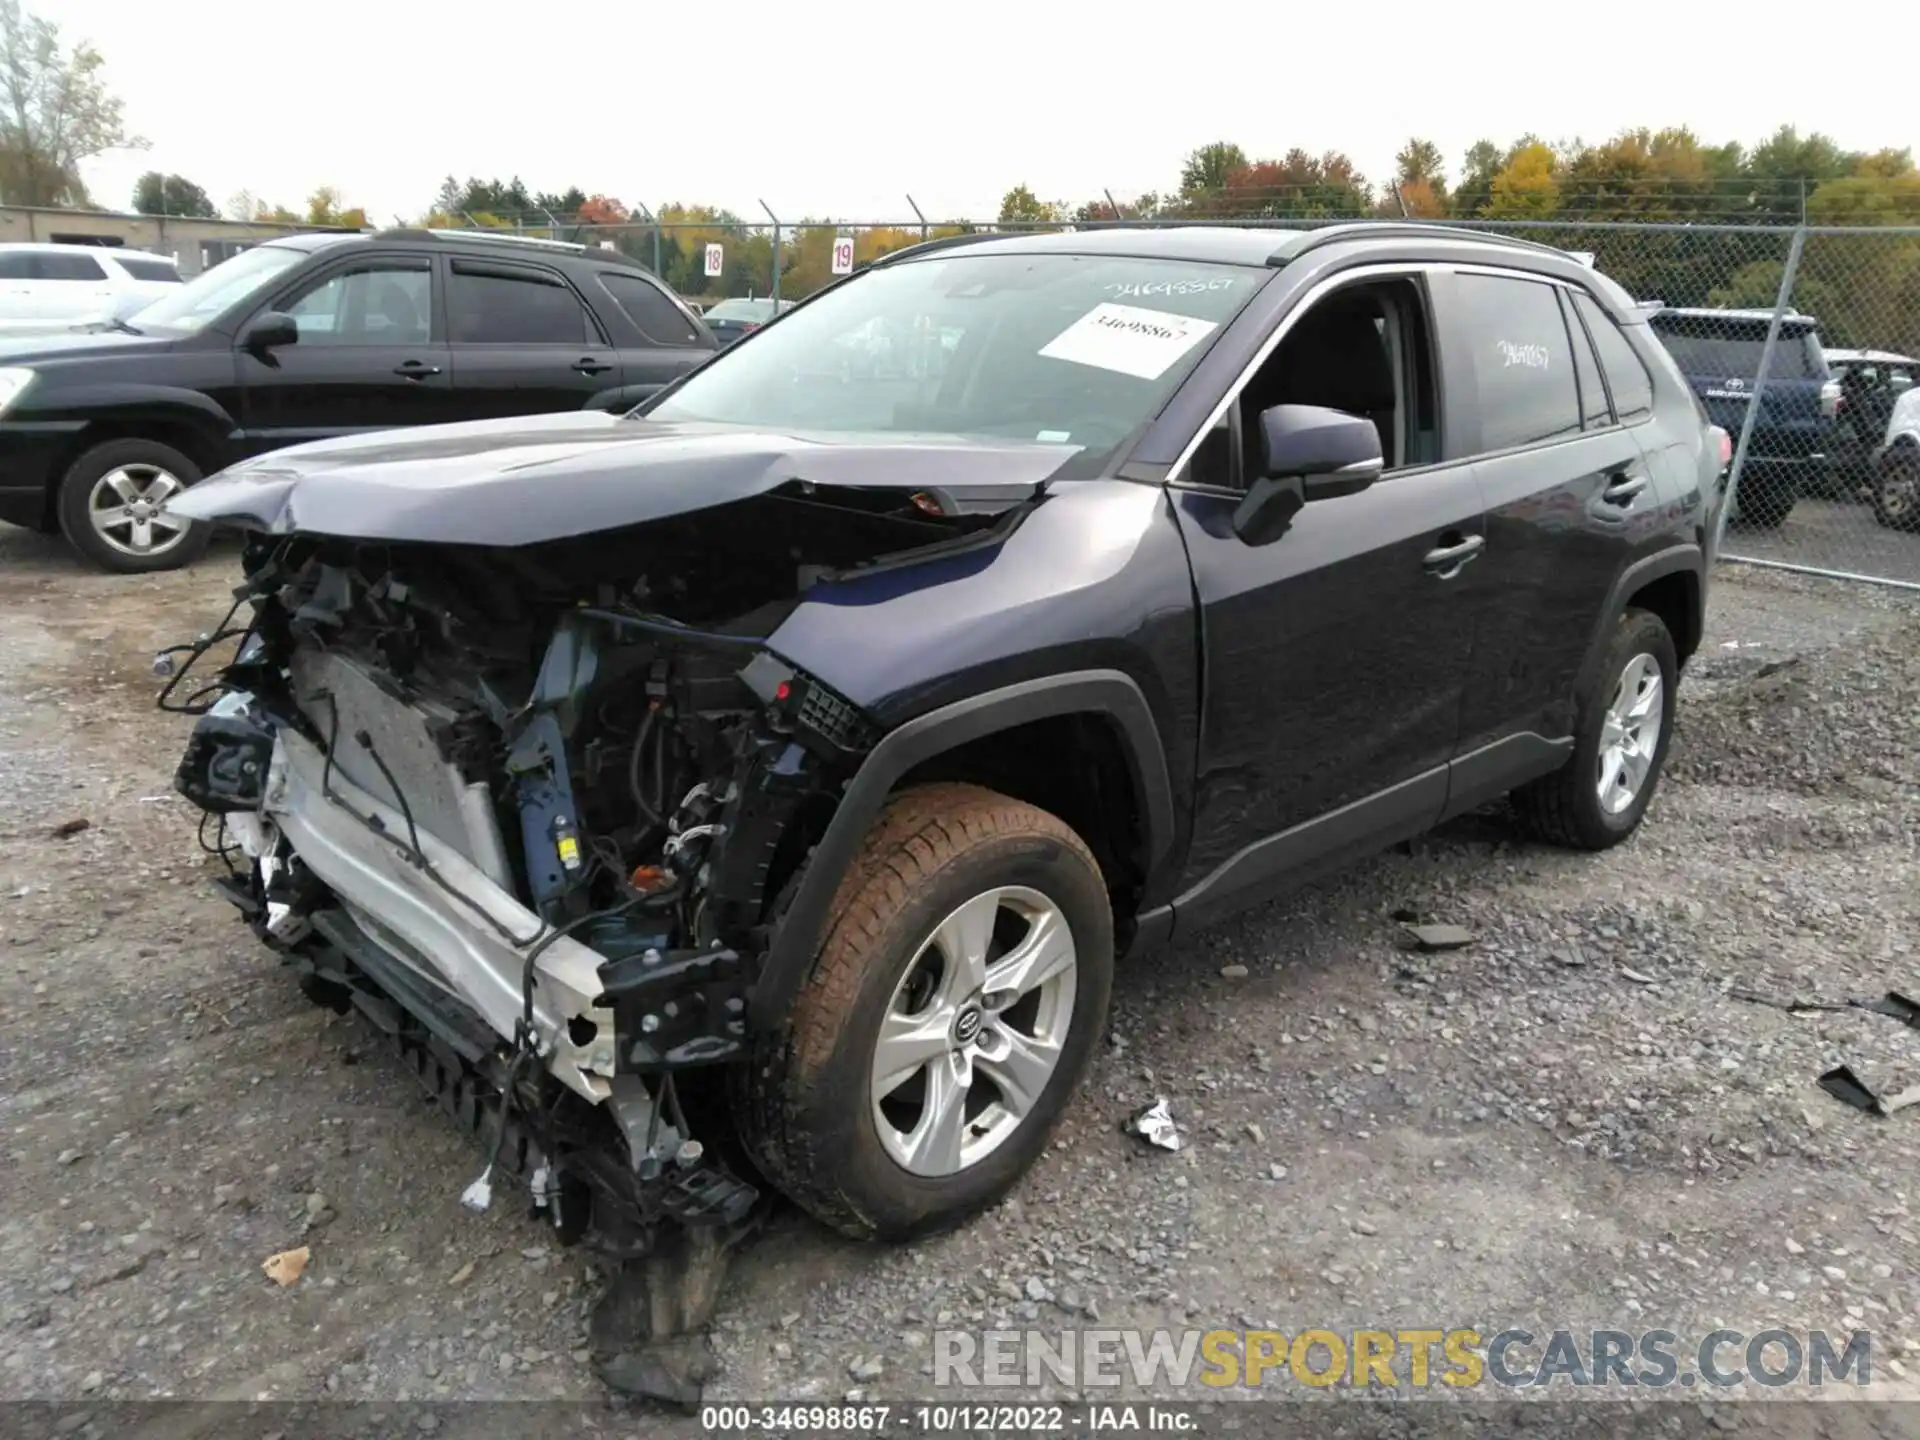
(1312, 239)
(504, 237)
(927, 247)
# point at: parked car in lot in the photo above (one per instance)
(312, 336)
(1871, 381)
(1896, 466)
(1789, 452)
(783, 765)
(731, 319)
(48, 287)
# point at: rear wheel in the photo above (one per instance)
(947, 1020)
(1620, 743)
(1896, 490)
(111, 501)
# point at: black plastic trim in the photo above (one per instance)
(1105, 692)
(1315, 846)
(1673, 560)
(1492, 770)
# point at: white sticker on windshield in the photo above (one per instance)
(1054, 437)
(1126, 338)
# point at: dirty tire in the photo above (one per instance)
(1896, 490)
(803, 1103)
(76, 489)
(1564, 808)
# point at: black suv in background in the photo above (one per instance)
(311, 337)
(1793, 433)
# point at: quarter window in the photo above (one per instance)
(1522, 360)
(647, 306)
(1626, 374)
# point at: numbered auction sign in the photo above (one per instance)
(843, 255)
(716, 259)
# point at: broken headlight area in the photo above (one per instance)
(530, 811)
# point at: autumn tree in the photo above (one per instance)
(1478, 166)
(1020, 206)
(601, 210)
(1525, 188)
(55, 112)
(1210, 167)
(158, 194)
(1419, 181)
(1299, 186)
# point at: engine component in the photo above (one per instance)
(225, 764)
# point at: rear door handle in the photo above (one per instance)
(1449, 560)
(415, 369)
(1622, 487)
(587, 365)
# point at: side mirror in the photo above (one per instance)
(270, 331)
(1308, 453)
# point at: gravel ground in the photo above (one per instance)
(1577, 1120)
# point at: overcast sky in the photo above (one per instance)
(839, 109)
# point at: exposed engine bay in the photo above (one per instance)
(532, 811)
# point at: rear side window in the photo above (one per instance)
(148, 269)
(1626, 374)
(647, 306)
(16, 265)
(500, 306)
(51, 265)
(1522, 360)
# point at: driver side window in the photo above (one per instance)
(1365, 349)
(382, 303)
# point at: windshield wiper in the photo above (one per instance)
(112, 322)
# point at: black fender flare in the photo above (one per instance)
(1109, 693)
(128, 404)
(1673, 560)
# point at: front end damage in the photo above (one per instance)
(532, 811)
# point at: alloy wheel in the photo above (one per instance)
(973, 1031)
(1630, 734)
(124, 508)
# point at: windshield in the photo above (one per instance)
(212, 293)
(1709, 347)
(1072, 349)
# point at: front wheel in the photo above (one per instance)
(946, 1023)
(111, 507)
(1620, 741)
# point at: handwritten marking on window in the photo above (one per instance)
(1512, 353)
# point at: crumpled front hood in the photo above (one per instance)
(528, 480)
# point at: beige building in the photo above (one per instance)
(195, 245)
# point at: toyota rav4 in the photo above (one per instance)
(752, 793)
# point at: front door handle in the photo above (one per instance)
(587, 365)
(1622, 487)
(415, 369)
(1449, 560)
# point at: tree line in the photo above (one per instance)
(1705, 202)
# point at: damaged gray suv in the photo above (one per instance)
(752, 793)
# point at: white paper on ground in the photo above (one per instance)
(1126, 338)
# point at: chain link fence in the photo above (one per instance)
(1800, 341)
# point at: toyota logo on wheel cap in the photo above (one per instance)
(966, 1025)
